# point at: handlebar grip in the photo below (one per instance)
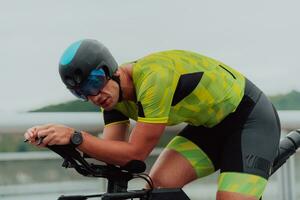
(295, 137)
(287, 147)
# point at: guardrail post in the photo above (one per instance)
(286, 180)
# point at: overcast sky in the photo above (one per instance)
(259, 38)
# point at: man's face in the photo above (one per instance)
(107, 97)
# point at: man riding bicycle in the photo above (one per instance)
(231, 125)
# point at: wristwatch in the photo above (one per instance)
(76, 139)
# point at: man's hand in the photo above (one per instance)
(51, 133)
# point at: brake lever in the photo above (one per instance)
(38, 139)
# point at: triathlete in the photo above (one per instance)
(231, 125)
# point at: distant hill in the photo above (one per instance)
(290, 101)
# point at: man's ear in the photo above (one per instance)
(117, 73)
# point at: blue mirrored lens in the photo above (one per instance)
(92, 85)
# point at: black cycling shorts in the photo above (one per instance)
(246, 140)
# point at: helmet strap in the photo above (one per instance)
(117, 79)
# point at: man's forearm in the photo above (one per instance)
(110, 151)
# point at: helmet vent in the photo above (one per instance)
(78, 76)
(70, 82)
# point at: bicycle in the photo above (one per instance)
(119, 176)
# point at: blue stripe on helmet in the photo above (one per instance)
(69, 53)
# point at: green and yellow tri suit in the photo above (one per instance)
(181, 86)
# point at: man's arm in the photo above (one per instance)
(116, 125)
(118, 131)
(142, 140)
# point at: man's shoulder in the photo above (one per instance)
(167, 54)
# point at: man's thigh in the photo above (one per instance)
(183, 160)
(171, 170)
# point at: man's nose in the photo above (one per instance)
(91, 98)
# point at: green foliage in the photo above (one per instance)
(14, 143)
(71, 106)
(290, 101)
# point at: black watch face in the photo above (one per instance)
(77, 138)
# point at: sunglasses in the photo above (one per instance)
(92, 86)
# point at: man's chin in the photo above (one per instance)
(107, 108)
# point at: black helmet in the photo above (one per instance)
(83, 56)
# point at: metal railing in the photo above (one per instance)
(12, 123)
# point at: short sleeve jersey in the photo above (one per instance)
(180, 86)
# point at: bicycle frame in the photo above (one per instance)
(118, 178)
